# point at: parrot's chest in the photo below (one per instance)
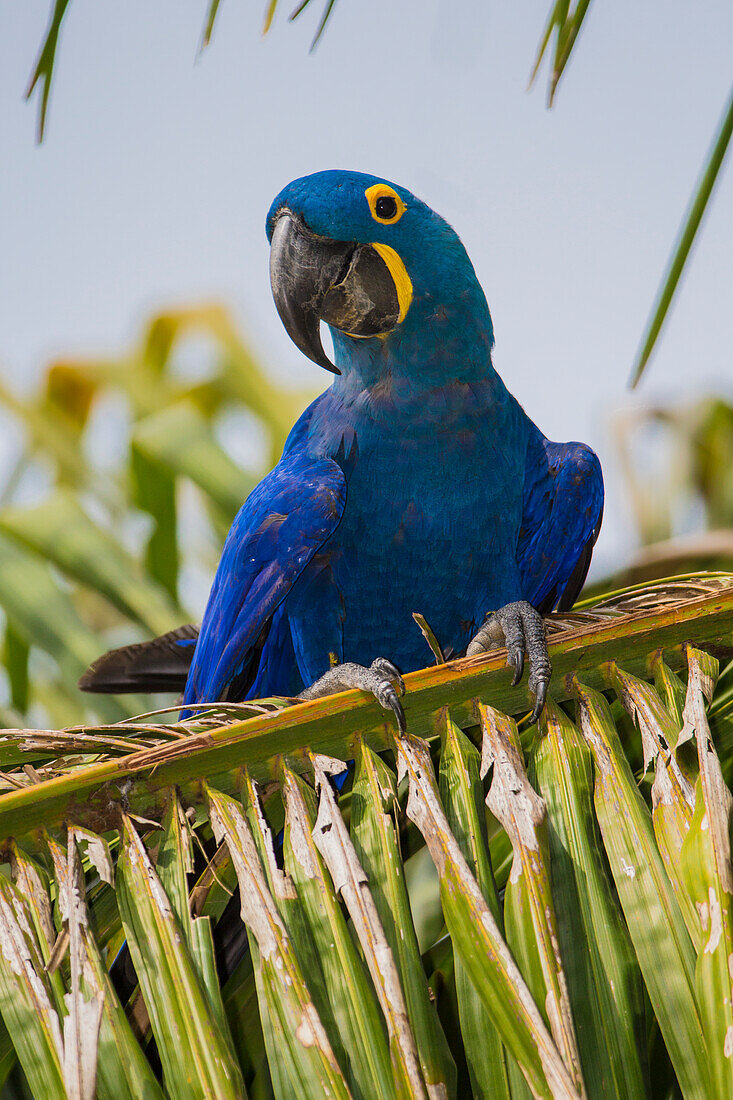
(430, 525)
(433, 505)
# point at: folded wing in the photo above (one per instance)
(285, 520)
(561, 519)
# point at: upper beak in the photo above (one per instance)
(315, 279)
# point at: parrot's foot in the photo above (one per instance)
(382, 679)
(521, 629)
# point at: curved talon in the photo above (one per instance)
(386, 693)
(516, 659)
(392, 702)
(540, 698)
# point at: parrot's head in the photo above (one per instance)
(370, 260)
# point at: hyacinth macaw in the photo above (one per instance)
(415, 482)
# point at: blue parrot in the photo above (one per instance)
(414, 482)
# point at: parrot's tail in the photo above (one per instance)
(159, 665)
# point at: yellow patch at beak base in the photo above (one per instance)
(398, 271)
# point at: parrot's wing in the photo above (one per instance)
(561, 518)
(280, 527)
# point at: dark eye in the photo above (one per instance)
(385, 207)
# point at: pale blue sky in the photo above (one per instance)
(153, 183)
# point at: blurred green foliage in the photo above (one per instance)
(677, 462)
(96, 559)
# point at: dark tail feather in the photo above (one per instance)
(159, 665)
(577, 579)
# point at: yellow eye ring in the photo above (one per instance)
(385, 205)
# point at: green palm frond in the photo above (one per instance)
(563, 24)
(587, 917)
(211, 15)
(44, 66)
(685, 239)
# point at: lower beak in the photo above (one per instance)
(314, 279)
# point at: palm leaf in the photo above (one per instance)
(685, 239)
(43, 69)
(211, 15)
(583, 940)
(564, 23)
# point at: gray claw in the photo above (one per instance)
(382, 679)
(539, 704)
(386, 693)
(393, 703)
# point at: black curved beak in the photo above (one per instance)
(314, 279)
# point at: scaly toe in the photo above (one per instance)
(378, 680)
(523, 632)
(512, 625)
(516, 660)
(381, 664)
